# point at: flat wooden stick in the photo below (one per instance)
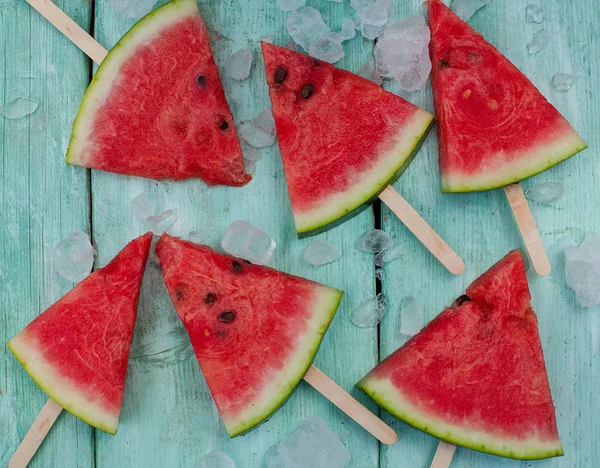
(529, 231)
(443, 455)
(70, 28)
(422, 231)
(36, 435)
(349, 405)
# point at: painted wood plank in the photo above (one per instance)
(481, 227)
(42, 200)
(168, 416)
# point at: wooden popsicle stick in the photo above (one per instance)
(529, 231)
(70, 28)
(36, 435)
(443, 455)
(422, 231)
(349, 405)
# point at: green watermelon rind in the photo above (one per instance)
(149, 26)
(537, 160)
(350, 205)
(59, 389)
(386, 395)
(327, 303)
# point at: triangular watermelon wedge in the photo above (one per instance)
(494, 126)
(77, 350)
(475, 375)
(343, 139)
(255, 330)
(156, 107)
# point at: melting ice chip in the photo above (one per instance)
(250, 153)
(249, 166)
(393, 254)
(306, 26)
(367, 70)
(245, 241)
(313, 445)
(545, 193)
(133, 8)
(216, 459)
(74, 256)
(239, 64)
(371, 18)
(19, 108)
(464, 9)
(328, 48)
(260, 131)
(411, 317)
(142, 207)
(196, 237)
(375, 240)
(582, 270)
(161, 223)
(289, 5)
(534, 14)
(369, 312)
(538, 41)
(320, 253)
(562, 81)
(348, 29)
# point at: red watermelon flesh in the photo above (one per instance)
(77, 350)
(494, 126)
(342, 138)
(254, 330)
(475, 375)
(156, 107)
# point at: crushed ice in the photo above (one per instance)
(371, 17)
(320, 253)
(375, 240)
(142, 207)
(464, 9)
(562, 81)
(545, 193)
(582, 270)
(216, 459)
(348, 30)
(328, 48)
(245, 241)
(411, 317)
(370, 311)
(534, 14)
(312, 445)
(239, 64)
(367, 70)
(133, 8)
(306, 26)
(19, 108)
(260, 131)
(538, 41)
(393, 254)
(159, 224)
(74, 256)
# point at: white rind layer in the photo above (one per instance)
(59, 388)
(368, 184)
(107, 74)
(393, 400)
(282, 382)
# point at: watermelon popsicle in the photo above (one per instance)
(494, 127)
(77, 350)
(344, 140)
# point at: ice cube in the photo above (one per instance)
(348, 29)
(133, 8)
(370, 19)
(74, 256)
(367, 70)
(250, 153)
(369, 312)
(142, 207)
(582, 270)
(249, 166)
(379, 259)
(196, 237)
(393, 254)
(306, 26)
(19, 108)
(161, 223)
(245, 241)
(216, 459)
(464, 9)
(289, 5)
(328, 48)
(534, 14)
(545, 193)
(411, 317)
(375, 240)
(562, 81)
(320, 253)
(538, 41)
(240, 63)
(260, 131)
(312, 445)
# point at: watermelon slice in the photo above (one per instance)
(77, 350)
(475, 375)
(255, 330)
(343, 139)
(494, 127)
(156, 107)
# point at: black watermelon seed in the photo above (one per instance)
(201, 81)
(226, 316)
(236, 267)
(224, 125)
(280, 75)
(210, 298)
(462, 299)
(307, 91)
(443, 64)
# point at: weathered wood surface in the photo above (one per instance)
(168, 417)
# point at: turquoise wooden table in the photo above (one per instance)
(168, 417)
